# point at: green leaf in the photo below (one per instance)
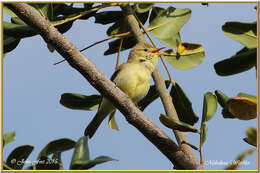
(204, 133)
(244, 60)
(80, 154)
(62, 28)
(222, 98)
(98, 160)
(17, 20)
(245, 33)
(79, 101)
(58, 145)
(80, 159)
(183, 105)
(10, 43)
(45, 9)
(151, 96)
(176, 124)
(128, 43)
(45, 163)
(57, 159)
(249, 142)
(209, 106)
(9, 11)
(236, 163)
(18, 156)
(50, 47)
(143, 7)
(189, 55)
(120, 26)
(9, 137)
(166, 24)
(107, 17)
(18, 31)
(251, 138)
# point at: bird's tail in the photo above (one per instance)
(104, 110)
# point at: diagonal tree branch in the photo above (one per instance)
(106, 87)
(160, 84)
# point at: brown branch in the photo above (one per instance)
(107, 88)
(160, 84)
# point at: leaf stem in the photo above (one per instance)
(200, 149)
(118, 53)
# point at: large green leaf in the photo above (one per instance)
(18, 31)
(58, 145)
(79, 101)
(18, 156)
(107, 17)
(176, 124)
(209, 106)
(244, 33)
(143, 7)
(9, 137)
(80, 154)
(189, 55)
(120, 26)
(128, 43)
(183, 105)
(166, 24)
(10, 43)
(151, 96)
(80, 159)
(242, 61)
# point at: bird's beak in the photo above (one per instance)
(156, 51)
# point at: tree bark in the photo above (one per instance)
(106, 87)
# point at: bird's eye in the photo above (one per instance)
(145, 50)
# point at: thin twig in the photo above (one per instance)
(98, 42)
(118, 53)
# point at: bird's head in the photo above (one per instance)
(145, 54)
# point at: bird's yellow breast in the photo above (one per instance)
(134, 79)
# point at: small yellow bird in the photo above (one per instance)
(132, 77)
